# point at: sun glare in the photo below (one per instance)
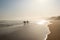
(42, 22)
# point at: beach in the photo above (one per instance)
(30, 31)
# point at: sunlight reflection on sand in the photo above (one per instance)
(46, 23)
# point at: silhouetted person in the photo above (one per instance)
(27, 21)
(55, 30)
(24, 22)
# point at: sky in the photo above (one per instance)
(28, 9)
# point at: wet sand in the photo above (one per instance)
(55, 31)
(29, 31)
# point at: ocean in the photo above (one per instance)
(17, 30)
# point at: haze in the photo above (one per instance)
(28, 9)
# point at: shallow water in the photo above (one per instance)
(18, 31)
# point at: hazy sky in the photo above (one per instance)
(28, 9)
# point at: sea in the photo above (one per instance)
(18, 30)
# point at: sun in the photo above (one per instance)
(42, 22)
